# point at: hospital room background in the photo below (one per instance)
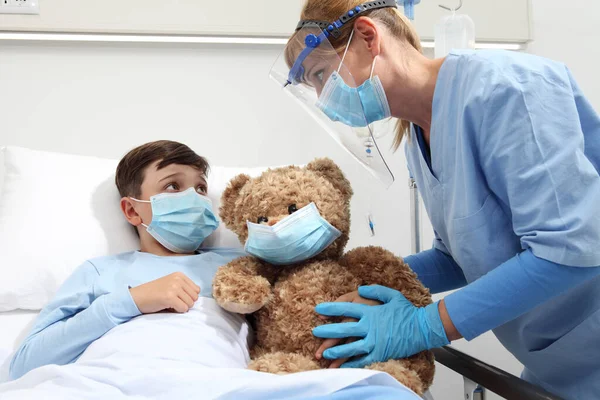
(102, 97)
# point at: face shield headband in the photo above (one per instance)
(329, 29)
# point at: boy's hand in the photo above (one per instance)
(176, 292)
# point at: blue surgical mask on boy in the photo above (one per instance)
(181, 221)
(294, 239)
(354, 107)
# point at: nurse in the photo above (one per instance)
(505, 150)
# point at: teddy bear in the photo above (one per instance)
(281, 300)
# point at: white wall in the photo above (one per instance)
(569, 32)
(102, 99)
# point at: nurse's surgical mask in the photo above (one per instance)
(181, 221)
(354, 107)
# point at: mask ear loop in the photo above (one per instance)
(346, 51)
(141, 201)
(373, 67)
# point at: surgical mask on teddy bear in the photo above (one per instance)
(296, 238)
(181, 221)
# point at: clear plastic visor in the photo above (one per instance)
(312, 72)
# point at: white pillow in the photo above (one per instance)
(58, 210)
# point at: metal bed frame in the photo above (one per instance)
(478, 376)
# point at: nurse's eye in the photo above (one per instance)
(316, 78)
(262, 220)
(172, 187)
(319, 75)
(292, 209)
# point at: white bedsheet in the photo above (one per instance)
(202, 354)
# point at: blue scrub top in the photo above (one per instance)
(513, 164)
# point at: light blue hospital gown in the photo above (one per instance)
(96, 298)
(515, 161)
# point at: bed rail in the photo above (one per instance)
(489, 377)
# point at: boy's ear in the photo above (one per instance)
(130, 213)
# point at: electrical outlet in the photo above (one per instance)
(19, 7)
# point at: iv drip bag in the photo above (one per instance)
(455, 31)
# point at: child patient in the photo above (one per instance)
(163, 189)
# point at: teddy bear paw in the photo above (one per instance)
(239, 293)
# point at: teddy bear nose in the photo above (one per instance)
(273, 220)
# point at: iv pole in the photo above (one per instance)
(415, 217)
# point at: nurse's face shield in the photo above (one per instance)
(305, 70)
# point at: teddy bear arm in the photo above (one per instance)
(377, 266)
(243, 286)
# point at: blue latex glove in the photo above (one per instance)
(395, 329)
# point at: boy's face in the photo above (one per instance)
(171, 179)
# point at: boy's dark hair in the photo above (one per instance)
(131, 168)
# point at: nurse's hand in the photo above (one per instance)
(394, 329)
(352, 297)
(175, 292)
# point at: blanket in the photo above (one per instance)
(202, 354)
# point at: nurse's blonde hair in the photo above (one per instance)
(330, 10)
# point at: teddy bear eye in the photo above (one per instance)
(292, 208)
(262, 219)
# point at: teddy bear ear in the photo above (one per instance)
(330, 171)
(229, 197)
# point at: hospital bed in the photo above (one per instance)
(30, 170)
(478, 376)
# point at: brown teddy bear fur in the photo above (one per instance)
(282, 299)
